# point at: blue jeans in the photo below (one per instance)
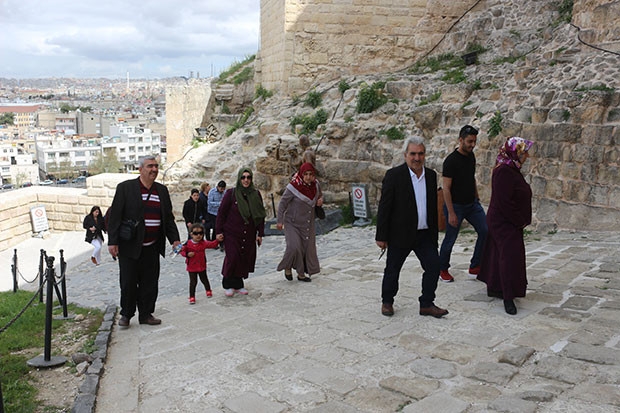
(474, 214)
(426, 251)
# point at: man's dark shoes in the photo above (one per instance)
(387, 309)
(123, 322)
(152, 321)
(434, 311)
(510, 307)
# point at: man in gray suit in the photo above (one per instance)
(140, 221)
(407, 221)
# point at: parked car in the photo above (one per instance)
(62, 181)
(26, 184)
(79, 180)
(47, 182)
(7, 186)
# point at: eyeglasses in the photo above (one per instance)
(246, 177)
(197, 233)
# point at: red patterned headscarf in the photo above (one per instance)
(309, 190)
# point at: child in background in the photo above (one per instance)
(196, 259)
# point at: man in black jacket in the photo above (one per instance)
(193, 210)
(406, 221)
(140, 221)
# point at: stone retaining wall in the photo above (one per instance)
(65, 207)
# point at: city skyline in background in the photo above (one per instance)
(118, 38)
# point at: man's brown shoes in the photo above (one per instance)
(123, 322)
(387, 309)
(152, 321)
(434, 311)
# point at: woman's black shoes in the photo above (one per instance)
(288, 275)
(304, 279)
(510, 307)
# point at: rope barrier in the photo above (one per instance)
(34, 296)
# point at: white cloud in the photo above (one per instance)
(106, 38)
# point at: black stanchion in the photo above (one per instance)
(63, 284)
(14, 271)
(273, 205)
(41, 271)
(47, 360)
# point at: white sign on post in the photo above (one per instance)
(360, 201)
(39, 219)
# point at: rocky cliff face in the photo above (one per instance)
(534, 80)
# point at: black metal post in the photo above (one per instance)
(14, 271)
(49, 274)
(41, 272)
(273, 205)
(63, 284)
(47, 360)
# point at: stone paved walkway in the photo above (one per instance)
(325, 347)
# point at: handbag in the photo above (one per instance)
(319, 212)
(128, 229)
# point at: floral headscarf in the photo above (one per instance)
(510, 151)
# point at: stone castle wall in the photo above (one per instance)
(304, 43)
(186, 106)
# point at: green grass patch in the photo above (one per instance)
(454, 76)
(313, 99)
(309, 122)
(394, 133)
(236, 125)
(432, 98)
(371, 97)
(234, 68)
(25, 339)
(601, 88)
(262, 92)
(495, 124)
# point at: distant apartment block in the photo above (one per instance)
(128, 143)
(25, 116)
(17, 167)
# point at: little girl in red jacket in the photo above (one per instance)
(196, 259)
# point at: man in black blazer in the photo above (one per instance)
(406, 221)
(146, 205)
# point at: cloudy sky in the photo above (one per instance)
(108, 38)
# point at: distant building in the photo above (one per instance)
(132, 142)
(17, 167)
(25, 115)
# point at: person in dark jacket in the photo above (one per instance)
(241, 222)
(94, 225)
(141, 219)
(193, 210)
(510, 211)
(407, 221)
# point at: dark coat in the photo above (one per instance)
(239, 237)
(397, 217)
(510, 210)
(193, 212)
(89, 221)
(127, 204)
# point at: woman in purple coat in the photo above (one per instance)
(241, 221)
(510, 211)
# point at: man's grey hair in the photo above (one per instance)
(143, 159)
(413, 140)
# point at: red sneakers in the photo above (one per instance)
(192, 300)
(209, 293)
(445, 276)
(474, 270)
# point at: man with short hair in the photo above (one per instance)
(407, 221)
(140, 221)
(461, 202)
(214, 199)
(193, 209)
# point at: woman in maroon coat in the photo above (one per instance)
(510, 211)
(241, 221)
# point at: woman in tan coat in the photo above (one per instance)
(296, 216)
